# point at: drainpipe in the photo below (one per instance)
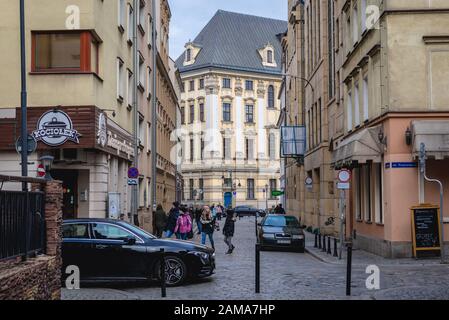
(135, 189)
(23, 97)
(154, 109)
(423, 172)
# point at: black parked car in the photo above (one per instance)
(242, 211)
(281, 232)
(111, 250)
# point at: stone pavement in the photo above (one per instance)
(286, 276)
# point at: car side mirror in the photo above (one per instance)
(130, 241)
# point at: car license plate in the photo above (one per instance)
(284, 241)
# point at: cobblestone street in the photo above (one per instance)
(289, 276)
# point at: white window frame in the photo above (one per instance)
(120, 79)
(130, 23)
(349, 111)
(355, 24)
(363, 15)
(130, 87)
(121, 5)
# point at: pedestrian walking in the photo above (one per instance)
(183, 224)
(198, 219)
(219, 211)
(208, 226)
(172, 220)
(279, 209)
(160, 220)
(228, 230)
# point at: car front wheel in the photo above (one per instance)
(175, 271)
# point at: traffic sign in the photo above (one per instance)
(40, 171)
(309, 183)
(344, 176)
(133, 173)
(32, 145)
(133, 182)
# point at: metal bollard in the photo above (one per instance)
(163, 284)
(349, 269)
(324, 244)
(335, 248)
(316, 240)
(329, 250)
(257, 268)
(319, 243)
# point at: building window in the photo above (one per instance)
(192, 113)
(188, 55)
(201, 189)
(150, 31)
(142, 72)
(121, 14)
(363, 14)
(226, 148)
(63, 52)
(271, 97)
(192, 85)
(130, 24)
(378, 195)
(249, 85)
(120, 80)
(349, 111)
(141, 9)
(130, 88)
(202, 149)
(272, 146)
(201, 86)
(355, 24)
(183, 115)
(226, 112)
(191, 189)
(250, 194)
(270, 56)
(367, 188)
(365, 99)
(226, 83)
(192, 150)
(183, 87)
(249, 110)
(356, 105)
(273, 187)
(249, 146)
(202, 112)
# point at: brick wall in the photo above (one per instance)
(38, 278)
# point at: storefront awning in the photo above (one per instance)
(434, 134)
(361, 147)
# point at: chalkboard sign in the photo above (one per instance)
(426, 228)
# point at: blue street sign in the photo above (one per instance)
(401, 165)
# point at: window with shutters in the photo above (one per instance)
(250, 193)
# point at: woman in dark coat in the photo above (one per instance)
(228, 231)
(160, 220)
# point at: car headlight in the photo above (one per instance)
(203, 255)
(268, 235)
(298, 237)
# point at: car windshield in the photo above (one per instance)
(281, 221)
(139, 231)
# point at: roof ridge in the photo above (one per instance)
(249, 15)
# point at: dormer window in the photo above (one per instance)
(267, 55)
(270, 56)
(192, 51)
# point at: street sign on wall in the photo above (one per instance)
(344, 176)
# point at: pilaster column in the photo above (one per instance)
(212, 135)
(261, 132)
(239, 126)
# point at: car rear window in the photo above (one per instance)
(281, 221)
(75, 231)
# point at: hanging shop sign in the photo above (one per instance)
(102, 134)
(54, 128)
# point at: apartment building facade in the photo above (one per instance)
(229, 108)
(82, 97)
(394, 78)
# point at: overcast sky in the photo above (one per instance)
(190, 16)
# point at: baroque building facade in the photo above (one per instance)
(229, 108)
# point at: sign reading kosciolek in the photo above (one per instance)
(55, 128)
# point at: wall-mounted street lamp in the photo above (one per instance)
(408, 136)
(47, 162)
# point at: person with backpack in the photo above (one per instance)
(172, 220)
(208, 226)
(228, 231)
(183, 224)
(160, 220)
